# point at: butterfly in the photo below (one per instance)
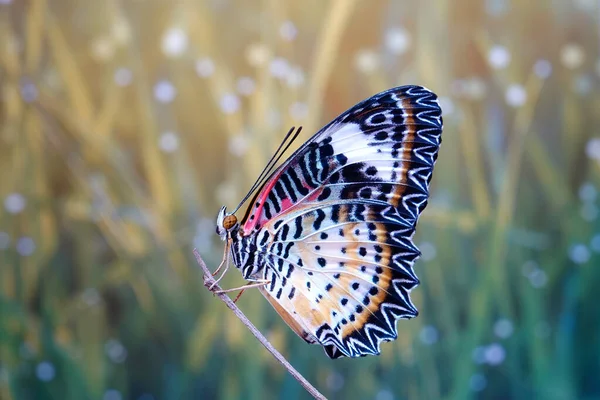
(327, 236)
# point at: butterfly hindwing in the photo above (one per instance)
(336, 222)
(343, 273)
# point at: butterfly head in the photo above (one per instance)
(226, 223)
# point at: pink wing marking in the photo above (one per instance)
(260, 202)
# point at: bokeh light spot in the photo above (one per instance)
(115, 351)
(495, 354)
(230, 103)
(588, 192)
(447, 105)
(542, 69)
(538, 278)
(169, 142)
(288, 31)
(14, 203)
(174, 42)
(258, 54)
(279, 67)
(477, 382)
(238, 145)
(91, 297)
(123, 76)
(164, 91)
(29, 91)
(592, 149)
(294, 77)
(245, 86)
(25, 246)
(572, 56)
(397, 40)
(579, 253)
(45, 371)
(429, 335)
(499, 57)
(366, 61)
(516, 95)
(112, 394)
(384, 394)
(103, 49)
(503, 328)
(205, 67)
(428, 251)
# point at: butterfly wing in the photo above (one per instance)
(336, 222)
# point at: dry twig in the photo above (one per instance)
(209, 282)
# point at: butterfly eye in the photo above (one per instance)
(229, 222)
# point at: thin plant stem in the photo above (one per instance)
(209, 283)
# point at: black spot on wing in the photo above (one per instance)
(287, 184)
(297, 183)
(298, 226)
(324, 194)
(284, 232)
(274, 201)
(267, 210)
(320, 217)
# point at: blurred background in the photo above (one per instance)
(126, 124)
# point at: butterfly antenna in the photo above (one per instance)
(268, 166)
(275, 158)
(283, 147)
(281, 155)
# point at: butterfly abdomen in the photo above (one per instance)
(246, 255)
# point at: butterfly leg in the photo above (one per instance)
(224, 262)
(239, 295)
(258, 283)
(225, 257)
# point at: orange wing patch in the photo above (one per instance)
(407, 148)
(298, 325)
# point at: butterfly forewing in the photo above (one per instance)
(336, 221)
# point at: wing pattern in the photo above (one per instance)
(332, 228)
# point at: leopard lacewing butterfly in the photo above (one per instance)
(330, 230)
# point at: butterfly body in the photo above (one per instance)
(331, 229)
